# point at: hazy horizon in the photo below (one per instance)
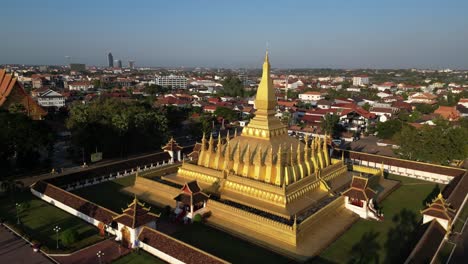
(213, 34)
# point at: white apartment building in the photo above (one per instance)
(51, 98)
(80, 86)
(310, 96)
(174, 81)
(360, 80)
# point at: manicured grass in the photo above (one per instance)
(409, 195)
(108, 194)
(225, 246)
(38, 218)
(139, 258)
(211, 240)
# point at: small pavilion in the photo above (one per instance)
(132, 220)
(359, 198)
(191, 201)
(440, 211)
(173, 148)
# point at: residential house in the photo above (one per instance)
(448, 112)
(311, 96)
(80, 86)
(51, 98)
(422, 98)
(384, 113)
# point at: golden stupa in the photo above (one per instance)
(260, 167)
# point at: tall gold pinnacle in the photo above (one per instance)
(265, 99)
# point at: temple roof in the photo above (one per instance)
(12, 92)
(360, 189)
(439, 208)
(172, 145)
(191, 194)
(136, 215)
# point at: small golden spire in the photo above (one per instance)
(235, 132)
(227, 136)
(210, 147)
(258, 156)
(298, 154)
(279, 155)
(247, 155)
(227, 151)
(269, 156)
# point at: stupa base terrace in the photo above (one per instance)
(301, 235)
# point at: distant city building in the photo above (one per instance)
(131, 65)
(51, 98)
(119, 64)
(80, 86)
(173, 81)
(311, 96)
(43, 68)
(360, 80)
(79, 67)
(110, 59)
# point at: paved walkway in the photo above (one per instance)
(110, 249)
(14, 250)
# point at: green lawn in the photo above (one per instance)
(227, 247)
(139, 258)
(409, 195)
(38, 218)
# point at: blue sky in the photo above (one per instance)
(336, 34)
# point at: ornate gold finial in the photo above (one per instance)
(439, 196)
(291, 156)
(227, 136)
(238, 152)
(235, 132)
(342, 155)
(265, 99)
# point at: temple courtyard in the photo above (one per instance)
(115, 195)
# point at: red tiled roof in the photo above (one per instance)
(84, 206)
(136, 215)
(407, 164)
(175, 248)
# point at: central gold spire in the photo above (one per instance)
(265, 125)
(265, 99)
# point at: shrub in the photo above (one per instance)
(69, 236)
(197, 218)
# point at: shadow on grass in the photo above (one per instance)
(401, 237)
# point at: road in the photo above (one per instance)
(14, 250)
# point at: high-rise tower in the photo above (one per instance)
(110, 59)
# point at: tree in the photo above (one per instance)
(366, 106)
(116, 127)
(21, 142)
(226, 113)
(425, 108)
(330, 124)
(232, 86)
(387, 130)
